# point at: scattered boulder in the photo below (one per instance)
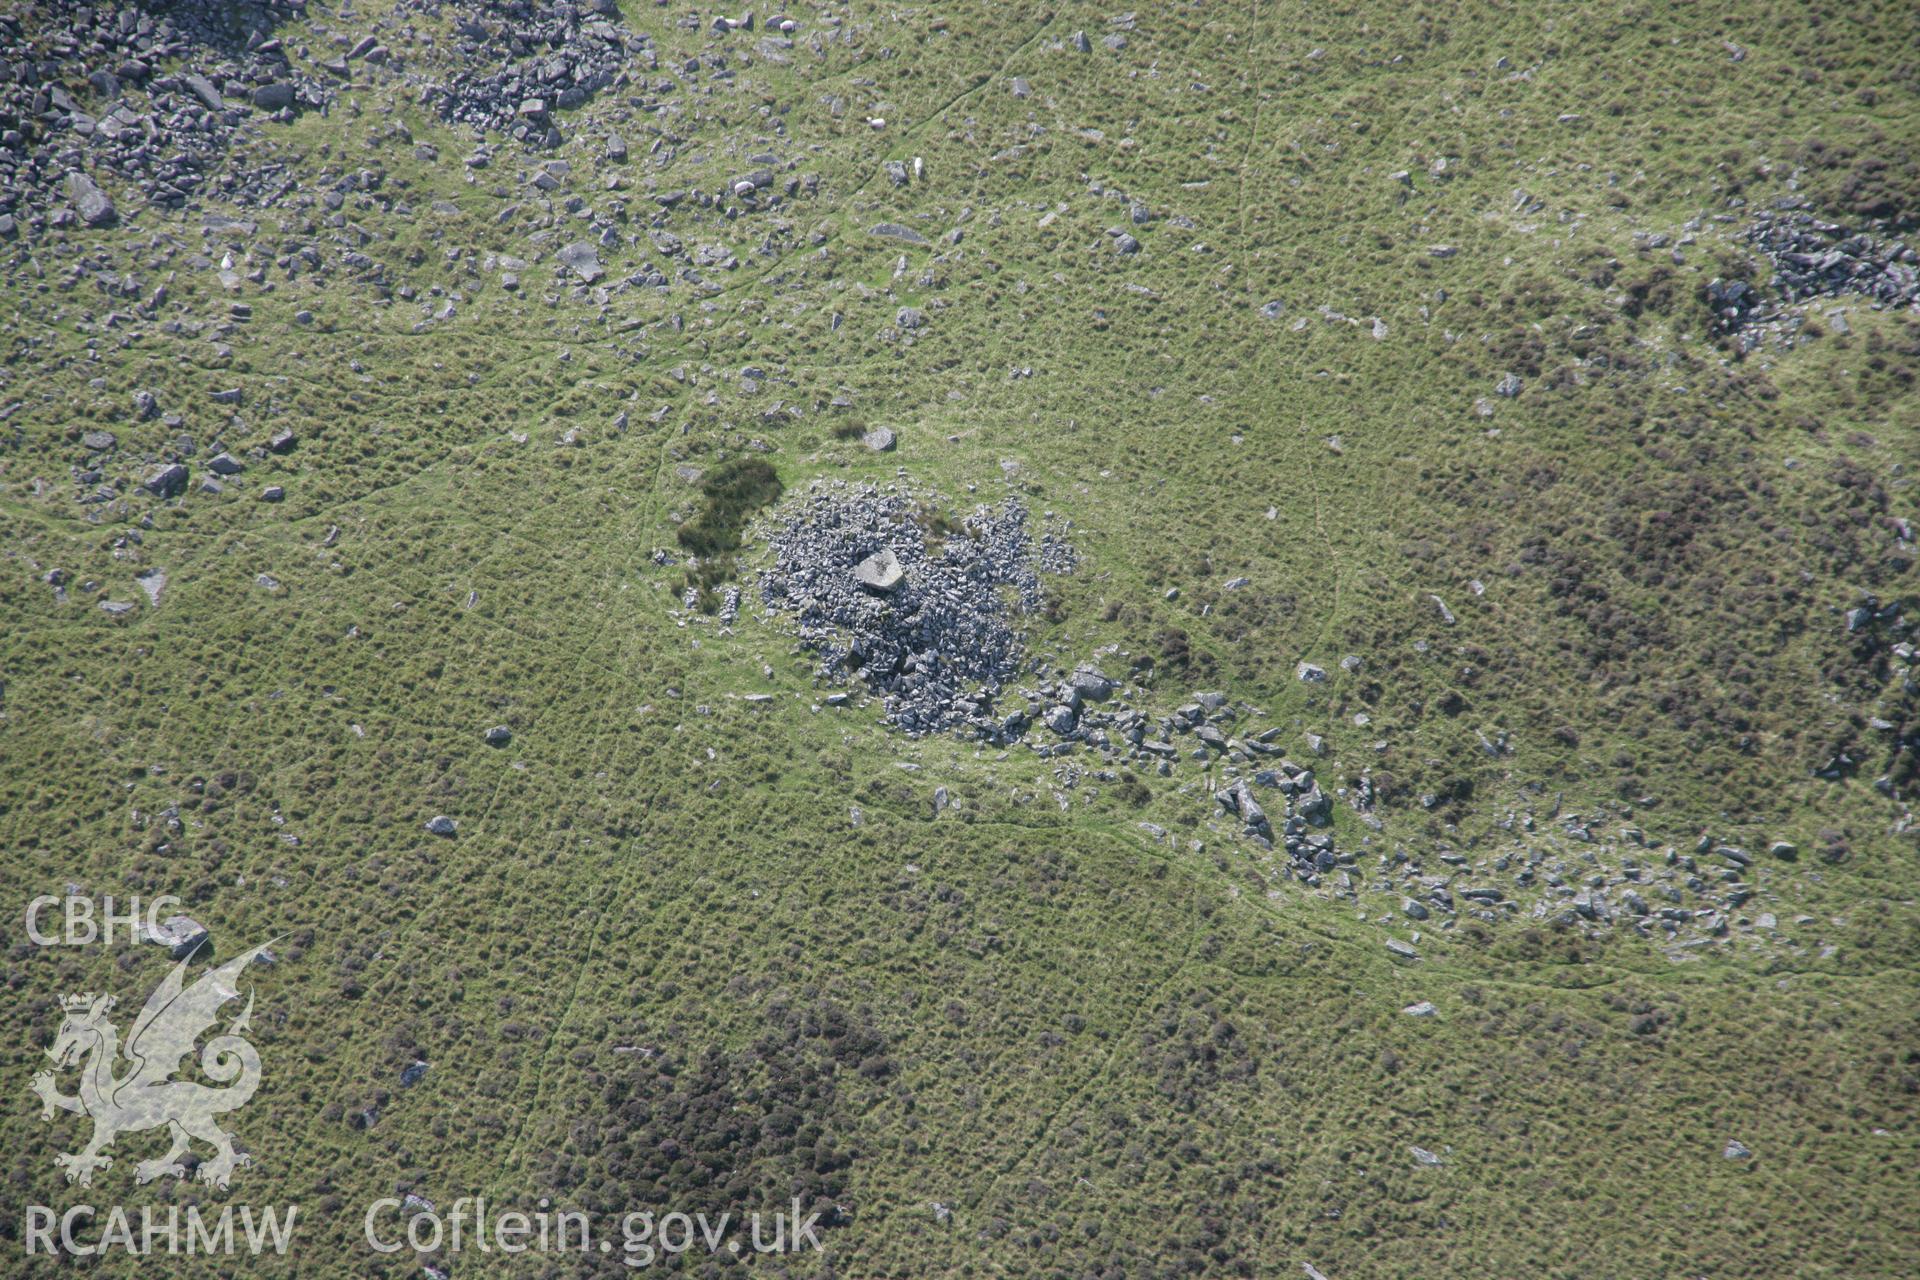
(894, 231)
(881, 571)
(583, 259)
(166, 481)
(1092, 684)
(441, 825)
(90, 202)
(182, 936)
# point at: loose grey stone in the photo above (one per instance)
(204, 90)
(894, 231)
(89, 201)
(166, 481)
(583, 259)
(1092, 684)
(180, 935)
(881, 571)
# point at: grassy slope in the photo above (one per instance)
(1049, 983)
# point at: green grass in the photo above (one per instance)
(1106, 1053)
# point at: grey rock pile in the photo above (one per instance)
(1885, 646)
(1815, 259)
(557, 56)
(929, 628)
(151, 94)
(929, 623)
(1276, 802)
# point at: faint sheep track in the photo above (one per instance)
(1151, 1003)
(1332, 618)
(615, 885)
(384, 573)
(398, 942)
(227, 748)
(1259, 106)
(618, 883)
(912, 131)
(217, 539)
(1313, 922)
